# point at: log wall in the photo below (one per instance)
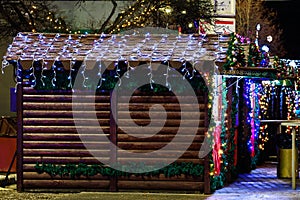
(47, 134)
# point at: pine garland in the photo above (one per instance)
(76, 170)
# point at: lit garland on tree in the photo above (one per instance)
(162, 14)
(254, 55)
(265, 59)
(31, 16)
(235, 53)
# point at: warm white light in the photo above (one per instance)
(168, 9)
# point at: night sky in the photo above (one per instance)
(289, 16)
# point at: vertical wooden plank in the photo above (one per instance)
(206, 159)
(113, 137)
(20, 131)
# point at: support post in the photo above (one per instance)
(113, 138)
(19, 128)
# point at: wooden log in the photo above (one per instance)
(158, 154)
(61, 121)
(105, 129)
(64, 98)
(158, 122)
(65, 106)
(65, 145)
(153, 161)
(162, 177)
(64, 129)
(65, 153)
(45, 176)
(167, 107)
(65, 113)
(70, 184)
(30, 90)
(64, 160)
(74, 137)
(156, 145)
(166, 130)
(139, 114)
(159, 99)
(160, 185)
(152, 93)
(155, 138)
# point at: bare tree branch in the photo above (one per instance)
(109, 17)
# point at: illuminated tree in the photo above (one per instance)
(249, 13)
(168, 14)
(29, 16)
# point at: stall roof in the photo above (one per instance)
(29, 47)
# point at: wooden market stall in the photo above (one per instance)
(52, 154)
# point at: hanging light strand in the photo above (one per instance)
(5, 63)
(150, 74)
(100, 72)
(18, 75)
(168, 85)
(32, 74)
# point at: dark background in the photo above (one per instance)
(289, 18)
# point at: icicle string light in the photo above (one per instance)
(54, 75)
(42, 72)
(5, 63)
(100, 72)
(83, 73)
(150, 74)
(32, 74)
(117, 73)
(19, 75)
(128, 69)
(72, 62)
(44, 63)
(168, 85)
(193, 69)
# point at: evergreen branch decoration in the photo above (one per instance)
(254, 57)
(81, 169)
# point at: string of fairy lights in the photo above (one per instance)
(142, 11)
(110, 48)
